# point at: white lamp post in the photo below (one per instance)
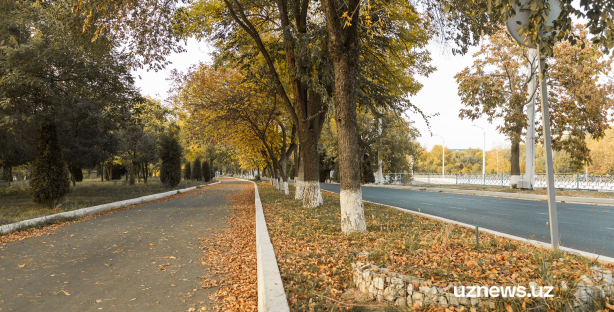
(443, 156)
(483, 155)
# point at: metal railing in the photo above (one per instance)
(575, 181)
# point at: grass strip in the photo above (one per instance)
(16, 205)
(315, 257)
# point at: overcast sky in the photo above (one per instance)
(439, 95)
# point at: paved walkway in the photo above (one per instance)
(143, 259)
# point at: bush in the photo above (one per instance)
(257, 177)
(170, 154)
(187, 172)
(76, 174)
(197, 171)
(206, 171)
(49, 183)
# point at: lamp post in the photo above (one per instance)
(483, 155)
(443, 156)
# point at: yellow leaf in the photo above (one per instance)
(65, 292)
(21, 266)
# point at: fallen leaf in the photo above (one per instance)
(65, 292)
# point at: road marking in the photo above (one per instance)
(570, 222)
(497, 213)
(456, 208)
(426, 204)
(541, 213)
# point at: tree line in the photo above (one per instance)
(69, 103)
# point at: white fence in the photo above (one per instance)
(576, 181)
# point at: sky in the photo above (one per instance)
(439, 95)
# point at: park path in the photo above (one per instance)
(143, 259)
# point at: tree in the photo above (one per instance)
(206, 171)
(187, 172)
(170, 155)
(49, 183)
(496, 86)
(197, 173)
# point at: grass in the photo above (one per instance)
(508, 189)
(16, 205)
(315, 257)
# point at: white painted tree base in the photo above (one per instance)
(298, 192)
(276, 184)
(312, 196)
(352, 212)
(286, 189)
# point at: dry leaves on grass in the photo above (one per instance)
(45, 229)
(231, 255)
(315, 257)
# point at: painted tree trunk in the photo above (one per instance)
(344, 47)
(312, 196)
(300, 176)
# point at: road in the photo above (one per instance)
(146, 258)
(583, 227)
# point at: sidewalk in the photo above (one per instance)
(143, 259)
(563, 199)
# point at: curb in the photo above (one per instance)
(271, 293)
(563, 199)
(13, 227)
(542, 245)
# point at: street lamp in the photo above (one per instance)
(443, 156)
(483, 155)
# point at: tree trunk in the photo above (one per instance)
(343, 45)
(515, 158)
(300, 175)
(101, 172)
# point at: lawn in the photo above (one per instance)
(16, 205)
(315, 258)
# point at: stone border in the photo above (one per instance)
(535, 197)
(271, 293)
(13, 227)
(598, 258)
(401, 290)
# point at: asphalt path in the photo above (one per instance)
(147, 258)
(583, 227)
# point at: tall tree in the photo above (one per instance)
(496, 86)
(49, 183)
(170, 156)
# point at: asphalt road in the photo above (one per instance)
(143, 259)
(584, 227)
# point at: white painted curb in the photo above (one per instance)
(271, 293)
(599, 258)
(9, 228)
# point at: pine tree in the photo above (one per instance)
(49, 183)
(187, 172)
(206, 171)
(197, 173)
(170, 154)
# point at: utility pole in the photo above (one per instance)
(530, 139)
(443, 156)
(483, 155)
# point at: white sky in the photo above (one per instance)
(439, 94)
